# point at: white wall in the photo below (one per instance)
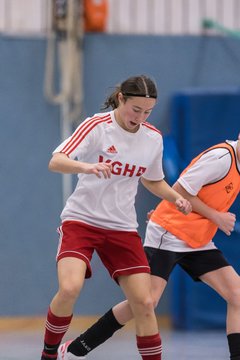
(128, 16)
(23, 16)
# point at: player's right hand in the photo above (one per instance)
(98, 169)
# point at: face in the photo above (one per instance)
(133, 112)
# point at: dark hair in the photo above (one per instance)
(140, 85)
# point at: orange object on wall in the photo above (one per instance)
(95, 15)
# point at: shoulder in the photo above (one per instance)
(95, 122)
(152, 131)
(233, 144)
(212, 166)
(99, 118)
(218, 153)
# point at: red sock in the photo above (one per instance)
(150, 347)
(55, 329)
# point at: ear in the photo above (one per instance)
(120, 97)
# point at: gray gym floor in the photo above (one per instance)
(26, 345)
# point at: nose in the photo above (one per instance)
(141, 117)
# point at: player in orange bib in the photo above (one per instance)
(111, 152)
(211, 183)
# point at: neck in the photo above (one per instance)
(121, 123)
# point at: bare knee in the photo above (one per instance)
(155, 302)
(69, 292)
(144, 306)
(233, 297)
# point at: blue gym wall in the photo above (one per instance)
(30, 196)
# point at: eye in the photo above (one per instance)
(136, 110)
(147, 112)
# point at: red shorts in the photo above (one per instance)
(121, 252)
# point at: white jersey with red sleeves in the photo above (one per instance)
(109, 203)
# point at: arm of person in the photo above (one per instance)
(162, 190)
(224, 220)
(61, 163)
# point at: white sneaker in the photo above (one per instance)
(64, 355)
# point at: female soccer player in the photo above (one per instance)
(211, 183)
(110, 152)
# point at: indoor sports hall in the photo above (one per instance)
(57, 59)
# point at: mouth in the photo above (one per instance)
(133, 123)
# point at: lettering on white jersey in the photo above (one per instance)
(119, 168)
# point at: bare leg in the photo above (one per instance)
(71, 274)
(137, 289)
(123, 312)
(226, 282)
(111, 322)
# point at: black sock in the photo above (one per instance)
(99, 332)
(49, 351)
(234, 346)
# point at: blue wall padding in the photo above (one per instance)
(203, 117)
(200, 119)
(172, 161)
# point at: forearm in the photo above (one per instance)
(162, 190)
(198, 205)
(63, 164)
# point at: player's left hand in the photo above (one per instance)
(149, 214)
(183, 205)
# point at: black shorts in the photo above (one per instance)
(195, 263)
